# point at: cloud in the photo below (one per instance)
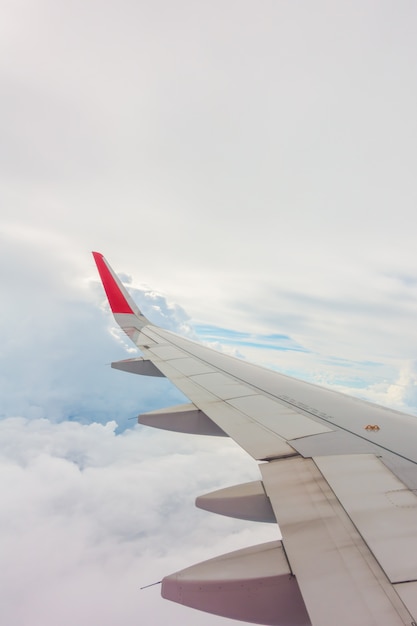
(57, 343)
(89, 516)
(217, 148)
(157, 308)
(400, 393)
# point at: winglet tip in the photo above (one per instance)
(117, 299)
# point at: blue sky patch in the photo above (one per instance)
(274, 341)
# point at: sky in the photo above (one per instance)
(249, 170)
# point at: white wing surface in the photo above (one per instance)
(338, 474)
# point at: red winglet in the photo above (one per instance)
(116, 298)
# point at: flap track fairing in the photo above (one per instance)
(247, 501)
(254, 585)
(141, 366)
(184, 418)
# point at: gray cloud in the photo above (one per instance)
(258, 142)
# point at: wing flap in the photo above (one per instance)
(383, 510)
(339, 578)
(259, 442)
(284, 421)
(207, 391)
(408, 594)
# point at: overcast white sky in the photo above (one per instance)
(252, 167)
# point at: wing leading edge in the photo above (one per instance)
(345, 500)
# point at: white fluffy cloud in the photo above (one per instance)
(88, 517)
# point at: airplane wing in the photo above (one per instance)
(338, 475)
